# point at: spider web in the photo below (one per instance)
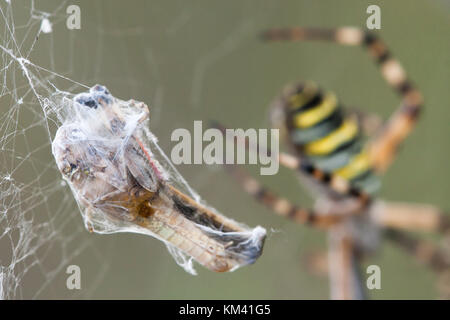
(38, 236)
(40, 227)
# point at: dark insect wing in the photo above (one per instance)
(139, 165)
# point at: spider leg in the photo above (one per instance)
(343, 260)
(343, 267)
(279, 205)
(424, 251)
(400, 217)
(437, 258)
(333, 181)
(408, 216)
(384, 145)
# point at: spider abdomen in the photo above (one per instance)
(319, 131)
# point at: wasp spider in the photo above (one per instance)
(340, 155)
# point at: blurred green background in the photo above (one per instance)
(202, 60)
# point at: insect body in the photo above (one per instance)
(102, 151)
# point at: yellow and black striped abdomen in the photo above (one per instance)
(319, 131)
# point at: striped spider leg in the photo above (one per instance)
(344, 254)
(329, 180)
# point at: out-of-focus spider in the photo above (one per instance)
(341, 167)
